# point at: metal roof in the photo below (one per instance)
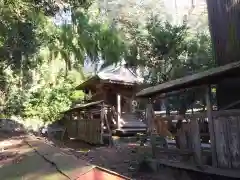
(120, 74)
(115, 74)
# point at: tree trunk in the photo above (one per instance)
(224, 23)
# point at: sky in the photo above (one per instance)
(65, 17)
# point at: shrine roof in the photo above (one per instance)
(115, 75)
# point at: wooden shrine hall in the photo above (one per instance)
(109, 105)
(113, 84)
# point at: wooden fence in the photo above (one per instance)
(89, 131)
(226, 132)
(226, 127)
(87, 128)
(227, 138)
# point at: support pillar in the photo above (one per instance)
(211, 125)
(118, 110)
(150, 124)
(102, 123)
(131, 105)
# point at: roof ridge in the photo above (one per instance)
(135, 74)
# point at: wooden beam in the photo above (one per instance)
(176, 93)
(211, 125)
(110, 138)
(120, 88)
(149, 116)
(100, 86)
(150, 123)
(102, 122)
(131, 106)
(118, 110)
(211, 76)
(195, 141)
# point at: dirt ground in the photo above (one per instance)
(19, 161)
(122, 158)
(16, 156)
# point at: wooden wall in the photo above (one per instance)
(87, 128)
(226, 126)
(227, 135)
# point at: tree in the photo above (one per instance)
(38, 57)
(224, 26)
(167, 52)
(85, 37)
(21, 36)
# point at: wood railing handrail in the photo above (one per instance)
(232, 112)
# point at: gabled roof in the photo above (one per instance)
(114, 74)
(119, 74)
(211, 76)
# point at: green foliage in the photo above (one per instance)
(168, 52)
(45, 102)
(41, 63)
(89, 38)
(34, 81)
(167, 45)
(20, 33)
(48, 103)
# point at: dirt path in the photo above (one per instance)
(30, 158)
(21, 158)
(24, 158)
(19, 161)
(122, 159)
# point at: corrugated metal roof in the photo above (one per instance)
(115, 74)
(120, 74)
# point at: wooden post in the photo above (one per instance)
(110, 138)
(131, 105)
(211, 125)
(196, 142)
(118, 110)
(150, 122)
(102, 122)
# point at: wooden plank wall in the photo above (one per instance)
(227, 133)
(222, 149)
(195, 142)
(71, 127)
(89, 131)
(234, 140)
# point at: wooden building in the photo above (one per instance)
(113, 83)
(223, 125)
(117, 87)
(109, 105)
